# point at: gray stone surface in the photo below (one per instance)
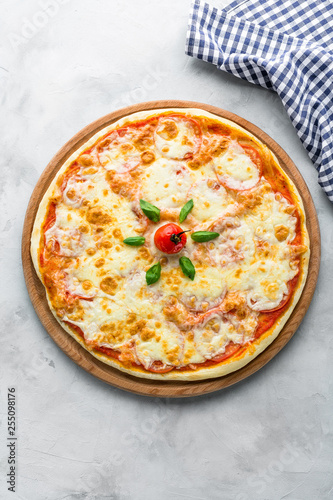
(64, 64)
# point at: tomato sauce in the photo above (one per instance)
(109, 352)
(70, 172)
(76, 328)
(51, 217)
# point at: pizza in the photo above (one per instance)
(172, 245)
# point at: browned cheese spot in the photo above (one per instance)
(235, 303)
(219, 146)
(89, 171)
(138, 326)
(147, 157)
(144, 139)
(195, 164)
(190, 336)
(99, 263)
(289, 210)
(121, 184)
(126, 147)
(145, 254)
(114, 333)
(169, 131)
(281, 232)
(238, 273)
(173, 354)
(104, 143)
(85, 160)
(117, 234)
(109, 285)
(131, 318)
(71, 194)
(77, 314)
(96, 215)
(86, 285)
(105, 244)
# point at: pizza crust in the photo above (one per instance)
(229, 365)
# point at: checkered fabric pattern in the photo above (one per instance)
(284, 45)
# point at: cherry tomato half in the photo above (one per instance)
(168, 240)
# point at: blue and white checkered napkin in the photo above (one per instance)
(284, 45)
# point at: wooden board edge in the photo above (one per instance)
(119, 379)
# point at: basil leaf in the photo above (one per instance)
(187, 267)
(135, 241)
(152, 212)
(201, 236)
(185, 210)
(153, 274)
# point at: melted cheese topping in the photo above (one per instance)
(210, 198)
(218, 331)
(99, 283)
(119, 154)
(175, 138)
(165, 183)
(235, 168)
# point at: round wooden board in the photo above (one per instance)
(111, 375)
